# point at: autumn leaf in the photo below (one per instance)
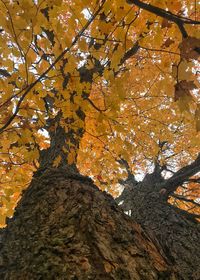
(189, 48)
(167, 43)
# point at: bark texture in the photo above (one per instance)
(65, 228)
(174, 230)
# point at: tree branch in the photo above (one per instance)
(194, 180)
(181, 176)
(94, 106)
(178, 20)
(132, 51)
(181, 197)
(131, 176)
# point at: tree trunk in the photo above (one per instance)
(174, 230)
(66, 228)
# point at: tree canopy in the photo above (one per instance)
(119, 77)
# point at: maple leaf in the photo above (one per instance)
(167, 43)
(166, 23)
(189, 48)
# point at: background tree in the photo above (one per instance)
(94, 84)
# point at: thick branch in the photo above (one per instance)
(194, 180)
(180, 21)
(181, 176)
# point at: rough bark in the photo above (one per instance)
(173, 229)
(65, 228)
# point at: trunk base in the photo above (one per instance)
(65, 228)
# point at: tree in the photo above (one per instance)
(102, 88)
(175, 229)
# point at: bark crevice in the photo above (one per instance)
(176, 231)
(65, 228)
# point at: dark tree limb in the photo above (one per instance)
(181, 176)
(178, 20)
(194, 180)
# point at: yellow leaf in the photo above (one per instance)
(71, 157)
(57, 161)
